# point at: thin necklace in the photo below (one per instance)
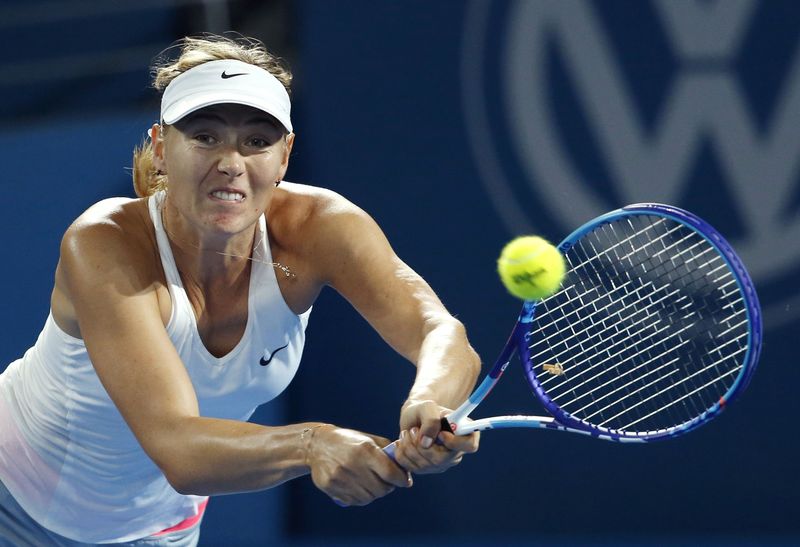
(287, 271)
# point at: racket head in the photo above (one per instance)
(657, 327)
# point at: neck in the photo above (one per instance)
(207, 260)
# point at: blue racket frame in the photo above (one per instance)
(518, 341)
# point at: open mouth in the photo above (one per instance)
(231, 197)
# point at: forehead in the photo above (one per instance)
(230, 114)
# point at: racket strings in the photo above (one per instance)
(694, 409)
(674, 401)
(603, 361)
(583, 336)
(649, 333)
(680, 259)
(686, 384)
(640, 373)
(588, 263)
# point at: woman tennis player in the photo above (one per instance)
(175, 315)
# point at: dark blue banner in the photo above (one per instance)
(459, 125)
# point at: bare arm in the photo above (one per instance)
(404, 310)
(110, 280)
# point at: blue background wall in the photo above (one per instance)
(413, 111)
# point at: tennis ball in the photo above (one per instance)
(531, 268)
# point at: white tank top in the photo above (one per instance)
(66, 454)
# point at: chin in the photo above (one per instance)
(230, 225)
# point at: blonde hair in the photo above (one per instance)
(195, 51)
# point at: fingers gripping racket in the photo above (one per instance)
(655, 329)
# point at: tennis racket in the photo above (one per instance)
(655, 330)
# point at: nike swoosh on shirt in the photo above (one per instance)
(264, 362)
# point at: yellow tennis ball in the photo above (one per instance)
(531, 268)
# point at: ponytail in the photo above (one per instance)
(146, 178)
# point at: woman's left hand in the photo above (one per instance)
(423, 447)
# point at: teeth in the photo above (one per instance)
(228, 196)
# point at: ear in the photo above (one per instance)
(157, 142)
(287, 152)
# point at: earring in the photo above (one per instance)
(277, 183)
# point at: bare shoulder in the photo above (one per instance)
(119, 212)
(312, 213)
(322, 226)
(109, 248)
(314, 216)
(111, 229)
(307, 203)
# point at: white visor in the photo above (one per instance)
(226, 81)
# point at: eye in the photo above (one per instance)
(258, 142)
(204, 138)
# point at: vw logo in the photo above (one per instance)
(572, 111)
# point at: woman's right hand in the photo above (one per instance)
(350, 466)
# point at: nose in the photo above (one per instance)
(231, 162)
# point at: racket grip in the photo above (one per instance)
(391, 450)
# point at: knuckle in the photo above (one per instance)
(338, 475)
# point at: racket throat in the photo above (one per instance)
(503, 422)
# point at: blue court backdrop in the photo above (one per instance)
(458, 125)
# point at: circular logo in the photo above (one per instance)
(572, 112)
